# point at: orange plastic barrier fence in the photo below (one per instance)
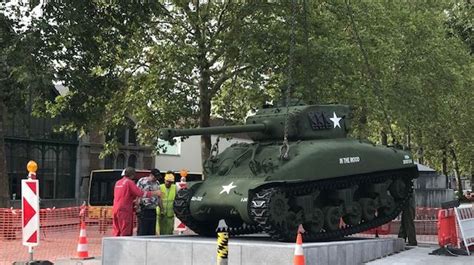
(425, 223)
(59, 231)
(447, 232)
(381, 230)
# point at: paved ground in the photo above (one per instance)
(419, 255)
(95, 261)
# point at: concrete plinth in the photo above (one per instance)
(246, 250)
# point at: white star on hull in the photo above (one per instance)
(227, 188)
(336, 120)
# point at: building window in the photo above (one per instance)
(167, 149)
(132, 161)
(122, 136)
(56, 168)
(125, 135)
(65, 181)
(48, 175)
(109, 162)
(132, 136)
(120, 161)
(17, 157)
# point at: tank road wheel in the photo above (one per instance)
(291, 225)
(398, 189)
(355, 215)
(388, 206)
(368, 209)
(317, 221)
(279, 208)
(282, 222)
(332, 217)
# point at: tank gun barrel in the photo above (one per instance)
(168, 134)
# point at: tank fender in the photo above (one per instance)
(196, 184)
(275, 183)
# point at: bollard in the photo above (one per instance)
(222, 248)
(222, 243)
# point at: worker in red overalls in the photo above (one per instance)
(125, 192)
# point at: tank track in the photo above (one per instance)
(260, 213)
(183, 213)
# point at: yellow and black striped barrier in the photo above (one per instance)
(222, 248)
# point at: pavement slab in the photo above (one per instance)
(420, 255)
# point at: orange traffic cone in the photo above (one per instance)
(298, 259)
(82, 252)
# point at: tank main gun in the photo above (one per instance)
(168, 134)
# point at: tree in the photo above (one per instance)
(418, 67)
(20, 73)
(151, 61)
(416, 82)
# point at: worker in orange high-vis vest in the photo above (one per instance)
(125, 192)
(166, 212)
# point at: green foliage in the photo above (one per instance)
(460, 22)
(405, 67)
(22, 77)
(21, 74)
(160, 64)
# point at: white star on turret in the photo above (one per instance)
(336, 120)
(227, 188)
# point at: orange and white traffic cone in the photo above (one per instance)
(82, 250)
(298, 259)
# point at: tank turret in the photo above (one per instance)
(323, 180)
(305, 122)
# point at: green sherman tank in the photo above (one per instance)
(331, 184)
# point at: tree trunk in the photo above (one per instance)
(408, 138)
(457, 174)
(419, 151)
(363, 122)
(205, 114)
(384, 137)
(4, 187)
(444, 164)
(472, 177)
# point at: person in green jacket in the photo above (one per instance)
(407, 224)
(166, 212)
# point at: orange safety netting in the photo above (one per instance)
(59, 233)
(426, 220)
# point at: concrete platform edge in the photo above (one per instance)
(193, 250)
